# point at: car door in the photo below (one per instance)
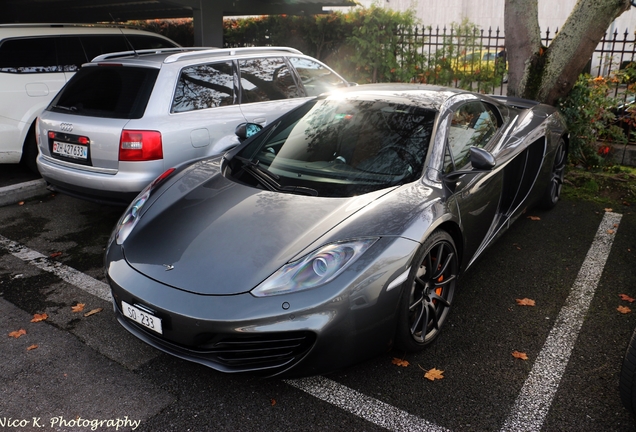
(476, 195)
(269, 89)
(204, 112)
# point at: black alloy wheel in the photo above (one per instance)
(557, 175)
(428, 292)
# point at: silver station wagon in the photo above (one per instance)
(125, 118)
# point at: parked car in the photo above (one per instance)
(336, 232)
(126, 117)
(36, 60)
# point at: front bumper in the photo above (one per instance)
(303, 333)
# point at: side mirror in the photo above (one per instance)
(246, 130)
(481, 160)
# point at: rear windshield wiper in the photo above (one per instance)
(71, 109)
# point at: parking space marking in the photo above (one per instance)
(368, 408)
(534, 401)
(66, 273)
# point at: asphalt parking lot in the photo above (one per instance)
(87, 373)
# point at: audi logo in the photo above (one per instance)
(66, 127)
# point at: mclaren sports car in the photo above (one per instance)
(334, 233)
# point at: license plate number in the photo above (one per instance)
(142, 317)
(74, 151)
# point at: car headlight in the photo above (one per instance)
(132, 214)
(315, 269)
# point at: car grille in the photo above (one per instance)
(268, 352)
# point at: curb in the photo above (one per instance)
(22, 191)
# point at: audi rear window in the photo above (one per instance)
(107, 91)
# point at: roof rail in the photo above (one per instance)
(231, 51)
(119, 54)
(54, 25)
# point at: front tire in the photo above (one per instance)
(552, 192)
(428, 293)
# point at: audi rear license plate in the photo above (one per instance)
(69, 150)
(142, 317)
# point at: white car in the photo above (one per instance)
(36, 60)
(125, 118)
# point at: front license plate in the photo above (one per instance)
(142, 317)
(74, 151)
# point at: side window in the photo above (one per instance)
(204, 86)
(315, 77)
(71, 54)
(28, 55)
(265, 79)
(101, 44)
(472, 125)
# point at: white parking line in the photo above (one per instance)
(368, 408)
(66, 273)
(534, 401)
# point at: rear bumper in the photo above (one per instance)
(120, 187)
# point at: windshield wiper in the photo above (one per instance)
(270, 180)
(71, 109)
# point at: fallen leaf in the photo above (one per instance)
(610, 231)
(519, 355)
(623, 309)
(273, 402)
(626, 298)
(78, 307)
(16, 334)
(534, 218)
(615, 225)
(399, 362)
(93, 312)
(608, 210)
(525, 302)
(32, 347)
(39, 317)
(434, 374)
(21, 203)
(55, 254)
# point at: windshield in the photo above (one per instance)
(340, 147)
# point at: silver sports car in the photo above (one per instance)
(336, 232)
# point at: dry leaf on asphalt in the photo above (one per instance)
(93, 312)
(39, 317)
(32, 347)
(16, 334)
(610, 231)
(519, 355)
(434, 374)
(608, 210)
(55, 254)
(626, 298)
(525, 302)
(534, 218)
(273, 402)
(623, 309)
(399, 362)
(78, 307)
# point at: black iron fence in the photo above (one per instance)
(475, 58)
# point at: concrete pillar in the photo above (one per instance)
(208, 24)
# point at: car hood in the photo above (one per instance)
(224, 238)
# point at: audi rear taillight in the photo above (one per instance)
(137, 145)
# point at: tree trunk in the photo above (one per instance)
(548, 74)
